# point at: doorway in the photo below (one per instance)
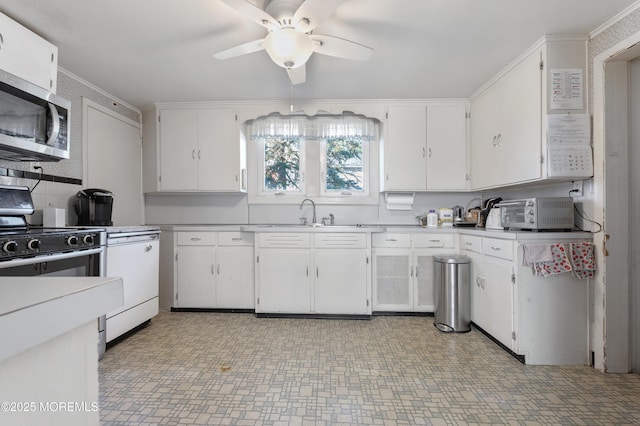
(617, 178)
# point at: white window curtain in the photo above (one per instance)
(315, 127)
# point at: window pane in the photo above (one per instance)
(281, 164)
(345, 168)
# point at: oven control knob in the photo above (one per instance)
(9, 246)
(72, 241)
(87, 239)
(33, 244)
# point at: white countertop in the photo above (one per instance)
(511, 235)
(36, 309)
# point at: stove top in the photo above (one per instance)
(36, 241)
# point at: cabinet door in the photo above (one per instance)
(178, 150)
(478, 303)
(423, 280)
(483, 143)
(520, 125)
(218, 150)
(498, 299)
(392, 277)
(27, 55)
(196, 277)
(446, 147)
(284, 281)
(405, 150)
(234, 278)
(340, 285)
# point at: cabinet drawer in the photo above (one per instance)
(391, 240)
(340, 240)
(498, 248)
(471, 243)
(196, 238)
(235, 238)
(284, 240)
(433, 240)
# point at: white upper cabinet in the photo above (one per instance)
(425, 148)
(405, 149)
(27, 55)
(446, 147)
(198, 149)
(508, 141)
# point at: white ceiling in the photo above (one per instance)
(144, 51)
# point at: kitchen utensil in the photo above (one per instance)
(487, 205)
(494, 219)
(458, 213)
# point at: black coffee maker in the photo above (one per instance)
(94, 206)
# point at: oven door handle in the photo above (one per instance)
(49, 258)
(510, 204)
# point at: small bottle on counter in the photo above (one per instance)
(432, 219)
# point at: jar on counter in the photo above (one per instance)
(432, 219)
(446, 216)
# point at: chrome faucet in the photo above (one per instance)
(313, 220)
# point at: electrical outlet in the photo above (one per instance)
(578, 188)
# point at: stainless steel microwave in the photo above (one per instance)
(34, 123)
(537, 214)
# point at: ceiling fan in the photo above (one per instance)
(290, 41)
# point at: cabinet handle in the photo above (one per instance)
(193, 154)
(482, 282)
(411, 271)
(307, 270)
(423, 152)
(393, 240)
(198, 154)
(387, 176)
(1, 41)
(494, 140)
(317, 272)
(499, 140)
(195, 239)
(429, 150)
(468, 244)
(236, 239)
(435, 241)
(212, 270)
(218, 269)
(148, 248)
(495, 248)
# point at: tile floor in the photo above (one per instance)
(211, 368)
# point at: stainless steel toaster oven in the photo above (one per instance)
(538, 214)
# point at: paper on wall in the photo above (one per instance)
(568, 129)
(566, 89)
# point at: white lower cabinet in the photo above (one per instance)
(403, 270)
(284, 281)
(542, 319)
(304, 273)
(214, 270)
(196, 277)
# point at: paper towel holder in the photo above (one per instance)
(399, 200)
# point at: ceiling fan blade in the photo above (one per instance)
(312, 12)
(341, 48)
(252, 12)
(297, 75)
(243, 49)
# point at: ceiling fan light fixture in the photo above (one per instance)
(288, 48)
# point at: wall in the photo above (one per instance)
(64, 178)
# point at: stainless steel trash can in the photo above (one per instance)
(452, 289)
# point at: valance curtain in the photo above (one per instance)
(314, 127)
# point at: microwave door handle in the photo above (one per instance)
(510, 203)
(55, 130)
